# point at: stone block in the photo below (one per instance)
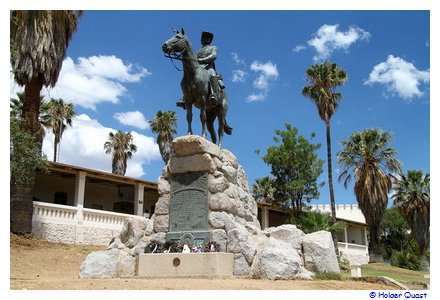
(193, 144)
(163, 205)
(193, 163)
(319, 252)
(161, 223)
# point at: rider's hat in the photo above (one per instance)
(209, 35)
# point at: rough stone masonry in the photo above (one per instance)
(282, 252)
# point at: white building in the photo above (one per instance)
(76, 205)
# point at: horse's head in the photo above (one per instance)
(176, 44)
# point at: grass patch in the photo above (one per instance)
(399, 274)
(328, 276)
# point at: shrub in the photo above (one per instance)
(405, 259)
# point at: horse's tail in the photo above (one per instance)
(227, 128)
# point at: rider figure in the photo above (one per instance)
(206, 57)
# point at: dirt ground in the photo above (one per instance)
(39, 265)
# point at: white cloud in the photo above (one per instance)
(237, 59)
(256, 97)
(95, 80)
(132, 118)
(267, 72)
(399, 76)
(328, 38)
(111, 67)
(83, 145)
(299, 48)
(239, 76)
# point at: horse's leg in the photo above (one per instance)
(222, 118)
(189, 116)
(203, 117)
(210, 118)
(221, 127)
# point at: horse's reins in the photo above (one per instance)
(174, 55)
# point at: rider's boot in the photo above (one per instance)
(181, 103)
(214, 89)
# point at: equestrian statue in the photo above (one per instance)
(201, 85)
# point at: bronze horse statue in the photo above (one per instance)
(195, 88)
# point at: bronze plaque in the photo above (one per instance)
(189, 203)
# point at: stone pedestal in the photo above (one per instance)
(200, 179)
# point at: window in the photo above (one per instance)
(60, 198)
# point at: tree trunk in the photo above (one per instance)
(55, 149)
(330, 185)
(21, 207)
(374, 247)
(21, 198)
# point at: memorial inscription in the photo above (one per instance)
(189, 207)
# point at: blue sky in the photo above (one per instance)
(117, 77)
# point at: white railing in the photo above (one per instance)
(105, 218)
(44, 211)
(56, 213)
(76, 225)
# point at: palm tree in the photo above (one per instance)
(367, 156)
(312, 221)
(263, 190)
(324, 78)
(38, 42)
(16, 109)
(58, 112)
(120, 145)
(412, 197)
(164, 124)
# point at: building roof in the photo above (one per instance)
(345, 212)
(100, 175)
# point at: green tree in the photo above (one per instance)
(263, 190)
(120, 145)
(164, 125)
(366, 155)
(24, 154)
(323, 79)
(412, 198)
(295, 167)
(38, 42)
(24, 158)
(59, 114)
(394, 232)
